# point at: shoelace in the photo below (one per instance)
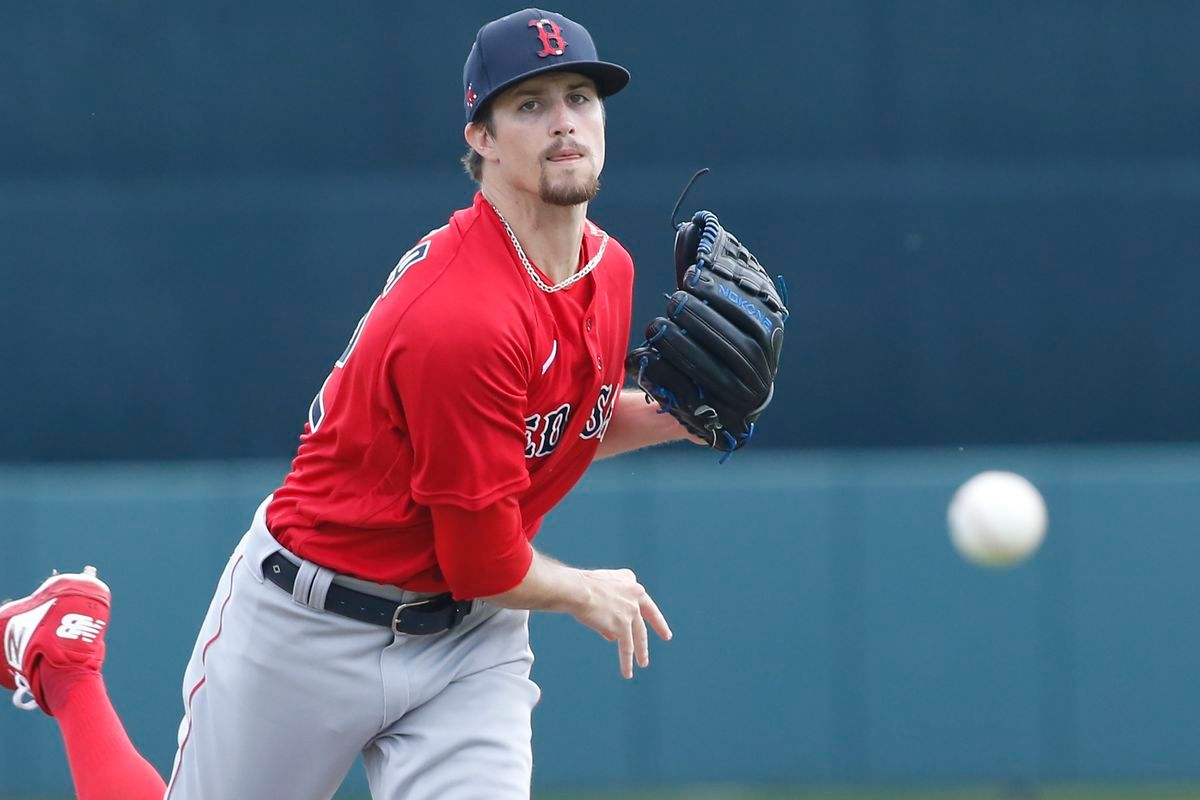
(23, 696)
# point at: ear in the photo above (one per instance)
(478, 139)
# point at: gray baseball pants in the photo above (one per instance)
(281, 696)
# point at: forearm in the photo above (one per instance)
(548, 586)
(609, 601)
(637, 424)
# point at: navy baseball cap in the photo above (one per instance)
(530, 42)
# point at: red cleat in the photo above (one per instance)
(61, 625)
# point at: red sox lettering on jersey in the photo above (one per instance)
(462, 384)
(543, 431)
(597, 423)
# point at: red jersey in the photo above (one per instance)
(464, 383)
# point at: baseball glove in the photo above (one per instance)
(711, 361)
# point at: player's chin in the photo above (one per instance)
(568, 190)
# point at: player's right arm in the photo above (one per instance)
(481, 550)
(460, 391)
(609, 601)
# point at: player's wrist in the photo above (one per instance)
(580, 595)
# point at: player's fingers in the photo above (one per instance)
(625, 651)
(655, 617)
(641, 642)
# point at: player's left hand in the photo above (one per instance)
(711, 361)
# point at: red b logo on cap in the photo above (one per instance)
(551, 36)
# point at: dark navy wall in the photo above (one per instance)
(986, 212)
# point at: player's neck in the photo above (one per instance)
(550, 235)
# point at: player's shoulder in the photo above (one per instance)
(462, 248)
(435, 252)
(440, 245)
(449, 275)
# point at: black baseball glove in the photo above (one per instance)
(711, 361)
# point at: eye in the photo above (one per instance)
(580, 99)
(529, 105)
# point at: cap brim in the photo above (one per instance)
(610, 78)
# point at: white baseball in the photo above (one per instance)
(997, 519)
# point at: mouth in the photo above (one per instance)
(565, 156)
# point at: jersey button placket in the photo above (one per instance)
(590, 339)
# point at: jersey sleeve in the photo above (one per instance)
(461, 391)
(481, 553)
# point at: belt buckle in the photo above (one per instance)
(400, 608)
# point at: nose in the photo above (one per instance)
(564, 120)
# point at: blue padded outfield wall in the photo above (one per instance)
(826, 632)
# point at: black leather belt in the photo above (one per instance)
(431, 615)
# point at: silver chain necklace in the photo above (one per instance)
(537, 279)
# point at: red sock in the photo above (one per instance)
(104, 763)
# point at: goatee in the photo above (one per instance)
(568, 193)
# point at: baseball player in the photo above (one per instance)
(379, 601)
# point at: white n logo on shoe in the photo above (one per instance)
(20, 631)
(80, 626)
